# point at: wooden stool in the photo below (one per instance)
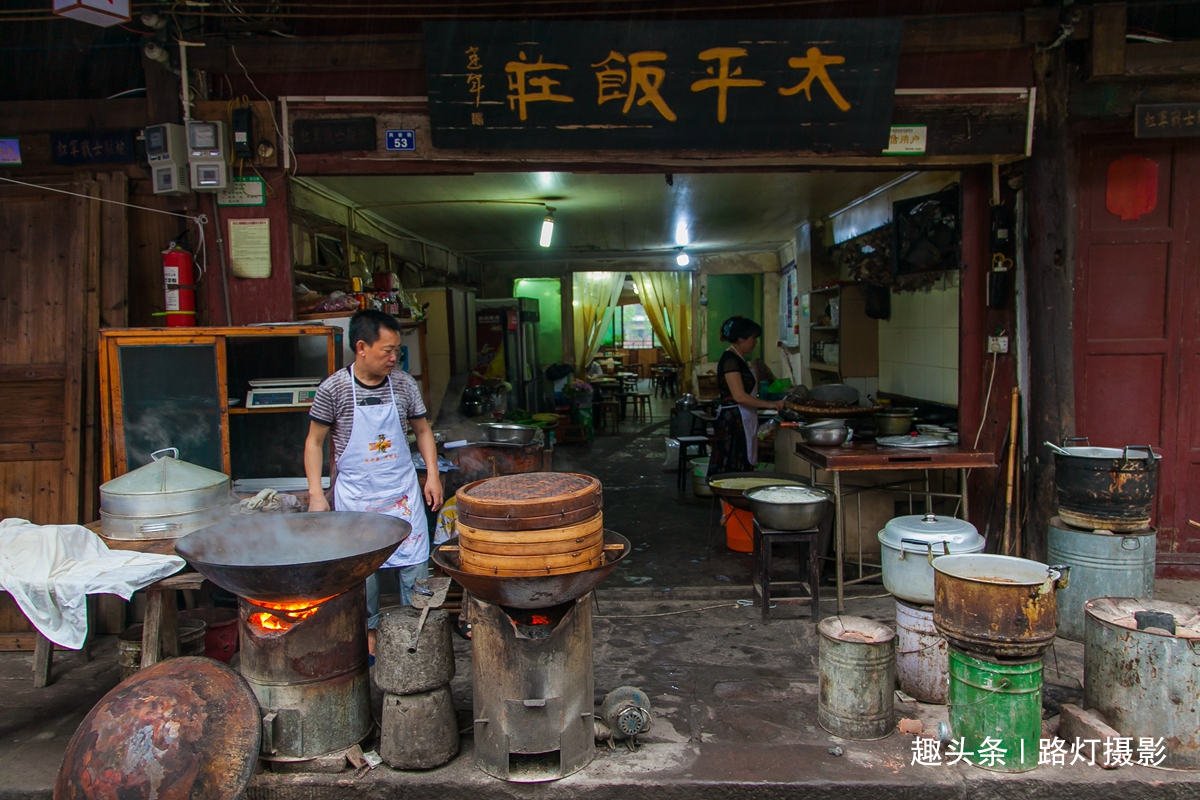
(764, 538)
(641, 407)
(572, 434)
(609, 411)
(685, 444)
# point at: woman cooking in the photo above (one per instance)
(735, 445)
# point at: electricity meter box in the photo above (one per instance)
(208, 155)
(167, 155)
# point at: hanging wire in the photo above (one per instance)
(200, 220)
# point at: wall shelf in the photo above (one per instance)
(268, 410)
(824, 327)
(823, 367)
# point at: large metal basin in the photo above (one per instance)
(997, 606)
(507, 433)
(539, 592)
(288, 558)
(737, 497)
(800, 515)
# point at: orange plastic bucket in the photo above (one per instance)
(739, 529)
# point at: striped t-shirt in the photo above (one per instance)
(333, 404)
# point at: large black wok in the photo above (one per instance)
(287, 558)
(539, 592)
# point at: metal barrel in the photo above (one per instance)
(1102, 565)
(129, 644)
(921, 654)
(996, 711)
(1145, 684)
(856, 660)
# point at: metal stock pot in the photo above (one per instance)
(998, 606)
(1106, 488)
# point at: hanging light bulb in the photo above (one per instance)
(682, 259)
(547, 228)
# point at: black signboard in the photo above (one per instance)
(1167, 119)
(715, 85)
(92, 147)
(333, 135)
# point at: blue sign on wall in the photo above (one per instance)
(401, 140)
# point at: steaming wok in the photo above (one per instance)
(537, 592)
(286, 558)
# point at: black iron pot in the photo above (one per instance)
(1106, 488)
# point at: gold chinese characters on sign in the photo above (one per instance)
(638, 79)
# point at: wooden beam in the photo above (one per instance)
(325, 54)
(1106, 50)
(1050, 182)
(1167, 59)
(388, 53)
(46, 116)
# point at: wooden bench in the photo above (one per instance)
(160, 630)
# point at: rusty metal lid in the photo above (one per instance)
(185, 727)
(529, 496)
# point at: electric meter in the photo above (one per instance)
(208, 155)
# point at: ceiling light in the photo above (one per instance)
(547, 228)
(682, 259)
(681, 234)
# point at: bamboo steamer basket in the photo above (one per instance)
(529, 501)
(572, 548)
(577, 537)
(526, 566)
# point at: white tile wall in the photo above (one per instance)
(918, 346)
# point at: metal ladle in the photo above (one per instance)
(427, 593)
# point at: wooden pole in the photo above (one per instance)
(1051, 179)
(1006, 539)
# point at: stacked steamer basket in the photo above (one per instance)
(531, 524)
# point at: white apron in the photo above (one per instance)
(376, 474)
(750, 428)
(749, 423)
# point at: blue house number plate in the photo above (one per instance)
(401, 140)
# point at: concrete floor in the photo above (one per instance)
(734, 701)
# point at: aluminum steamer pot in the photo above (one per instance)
(164, 499)
(1106, 488)
(996, 606)
(911, 543)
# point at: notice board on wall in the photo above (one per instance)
(709, 85)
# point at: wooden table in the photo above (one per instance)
(160, 631)
(870, 457)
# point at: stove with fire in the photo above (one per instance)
(303, 626)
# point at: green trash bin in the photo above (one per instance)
(995, 711)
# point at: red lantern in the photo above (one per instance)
(1132, 187)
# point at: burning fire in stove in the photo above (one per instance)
(290, 613)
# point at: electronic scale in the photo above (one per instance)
(282, 392)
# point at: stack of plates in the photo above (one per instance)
(531, 524)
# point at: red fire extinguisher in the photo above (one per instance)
(179, 275)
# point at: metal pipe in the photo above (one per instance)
(184, 88)
(224, 261)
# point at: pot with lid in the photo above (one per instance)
(165, 499)
(911, 543)
(1106, 488)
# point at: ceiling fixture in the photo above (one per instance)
(547, 228)
(682, 259)
(681, 234)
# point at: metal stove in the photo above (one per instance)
(531, 646)
(302, 611)
(308, 668)
(533, 695)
